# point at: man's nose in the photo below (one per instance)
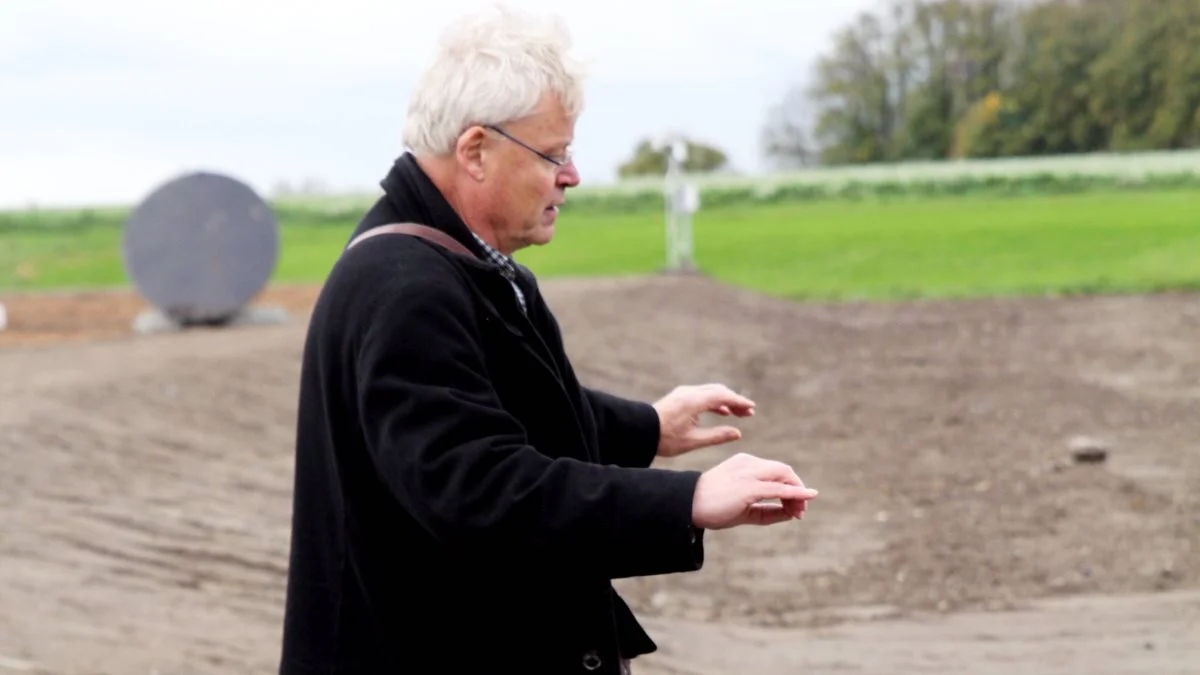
(568, 175)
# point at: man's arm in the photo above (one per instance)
(629, 430)
(462, 467)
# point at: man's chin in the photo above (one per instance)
(544, 233)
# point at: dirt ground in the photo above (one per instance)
(145, 494)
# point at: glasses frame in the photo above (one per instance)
(556, 162)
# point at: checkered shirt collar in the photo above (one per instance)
(506, 264)
(507, 268)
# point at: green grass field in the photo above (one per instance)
(967, 246)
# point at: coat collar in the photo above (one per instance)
(413, 194)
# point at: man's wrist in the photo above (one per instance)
(660, 424)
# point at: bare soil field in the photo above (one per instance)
(146, 482)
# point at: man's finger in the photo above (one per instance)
(795, 507)
(739, 410)
(713, 435)
(778, 472)
(714, 396)
(768, 514)
(783, 492)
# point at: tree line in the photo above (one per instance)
(937, 79)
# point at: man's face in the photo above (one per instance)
(522, 190)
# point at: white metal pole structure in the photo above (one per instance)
(680, 199)
(670, 180)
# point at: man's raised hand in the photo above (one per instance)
(730, 494)
(679, 417)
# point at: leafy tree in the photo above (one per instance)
(786, 136)
(648, 159)
(930, 79)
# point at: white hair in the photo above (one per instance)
(491, 67)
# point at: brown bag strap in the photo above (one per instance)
(423, 231)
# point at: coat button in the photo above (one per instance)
(591, 660)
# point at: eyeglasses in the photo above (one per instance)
(553, 160)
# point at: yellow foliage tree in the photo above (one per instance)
(980, 118)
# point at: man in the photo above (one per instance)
(462, 502)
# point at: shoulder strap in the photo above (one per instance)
(423, 231)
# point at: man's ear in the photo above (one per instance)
(468, 151)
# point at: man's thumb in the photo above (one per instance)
(773, 490)
(713, 435)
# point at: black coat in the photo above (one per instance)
(462, 502)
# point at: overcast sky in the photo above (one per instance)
(105, 99)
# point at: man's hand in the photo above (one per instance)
(679, 416)
(729, 494)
